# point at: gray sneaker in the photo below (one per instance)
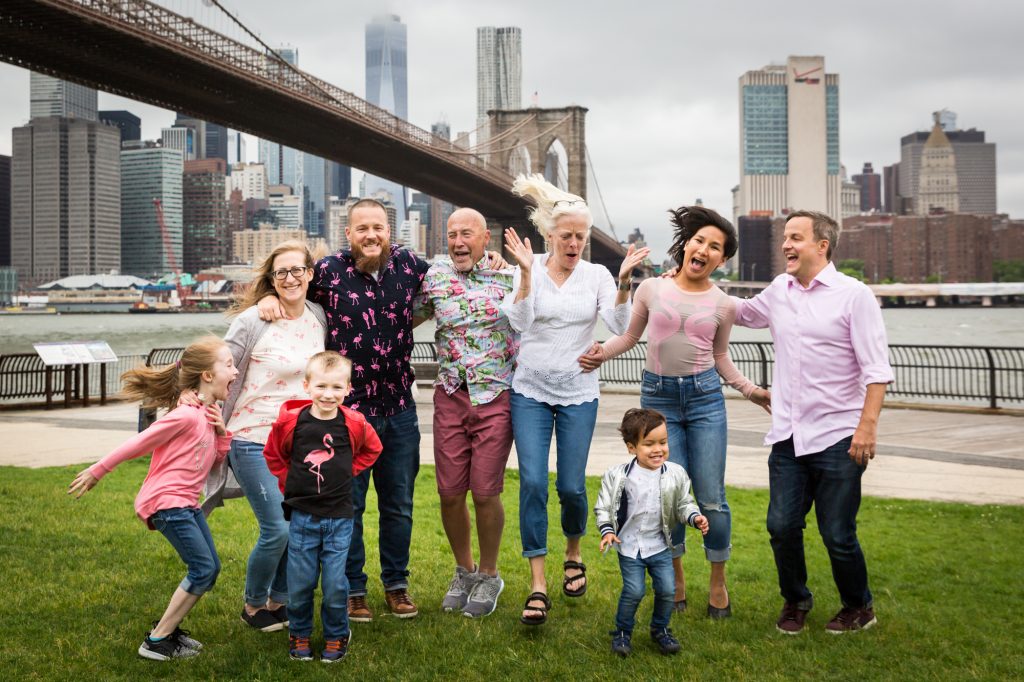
(484, 597)
(458, 590)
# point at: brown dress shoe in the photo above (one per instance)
(358, 610)
(400, 603)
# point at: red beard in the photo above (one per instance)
(370, 264)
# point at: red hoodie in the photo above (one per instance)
(366, 447)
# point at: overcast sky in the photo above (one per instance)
(660, 78)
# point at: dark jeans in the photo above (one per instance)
(830, 481)
(318, 547)
(394, 475)
(663, 579)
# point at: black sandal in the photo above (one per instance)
(566, 579)
(543, 617)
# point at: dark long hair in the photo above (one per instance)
(688, 221)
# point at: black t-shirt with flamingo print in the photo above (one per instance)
(320, 475)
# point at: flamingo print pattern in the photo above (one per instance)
(316, 459)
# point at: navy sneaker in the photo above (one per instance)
(620, 643)
(298, 649)
(183, 637)
(335, 649)
(667, 644)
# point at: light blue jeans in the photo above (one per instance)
(185, 528)
(318, 548)
(694, 410)
(266, 573)
(532, 424)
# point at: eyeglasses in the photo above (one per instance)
(296, 272)
(569, 203)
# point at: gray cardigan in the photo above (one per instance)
(241, 338)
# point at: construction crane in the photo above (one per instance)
(168, 246)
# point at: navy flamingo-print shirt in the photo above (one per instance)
(370, 322)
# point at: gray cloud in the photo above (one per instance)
(660, 78)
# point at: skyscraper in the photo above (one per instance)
(789, 139)
(128, 123)
(183, 138)
(937, 189)
(65, 199)
(5, 210)
(975, 167)
(204, 215)
(236, 148)
(55, 97)
(150, 172)
(870, 184)
(387, 87)
(499, 71)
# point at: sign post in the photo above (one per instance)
(70, 354)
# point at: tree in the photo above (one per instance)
(1008, 271)
(854, 267)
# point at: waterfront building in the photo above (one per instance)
(55, 97)
(252, 246)
(150, 172)
(215, 142)
(755, 259)
(128, 123)
(198, 127)
(236, 148)
(5, 211)
(789, 139)
(339, 180)
(65, 199)
(499, 72)
(850, 197)
(204, 215)
(337, 221)
(937, 188)
(101, 293)
(975, 170)
(387, 87)
(420, 205)
(408, 233)
(250, 179)
(182, 138)
(442, 129)
(285, 206)
(870, 184)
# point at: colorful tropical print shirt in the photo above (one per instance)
(370, 322)
(475, 342)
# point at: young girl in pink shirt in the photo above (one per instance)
(186, 442)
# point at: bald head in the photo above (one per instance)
(467, 238)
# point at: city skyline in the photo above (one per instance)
(662, 120)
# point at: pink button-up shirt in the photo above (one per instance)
(830, 344)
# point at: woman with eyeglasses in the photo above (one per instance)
(271, 360)
(559, 297)
(688, 320)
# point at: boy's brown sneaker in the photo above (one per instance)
(400, 603)
(849, 620)
(358, 610)
(791, 620)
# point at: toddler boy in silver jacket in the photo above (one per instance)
(639, 504)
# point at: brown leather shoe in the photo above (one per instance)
(358, 610)
(400, 603)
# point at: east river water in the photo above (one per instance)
(137, 334)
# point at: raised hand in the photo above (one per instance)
(520, 249)
(495, 261)
(634, 257)
(83, 483)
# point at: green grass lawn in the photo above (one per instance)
(85, 578)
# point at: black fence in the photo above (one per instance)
(986, 375)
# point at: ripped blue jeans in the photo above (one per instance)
(266, 573)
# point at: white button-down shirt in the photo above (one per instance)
(830, 343)
(641, 534)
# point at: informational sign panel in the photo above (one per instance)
(75, 352)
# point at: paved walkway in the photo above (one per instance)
(922, 454)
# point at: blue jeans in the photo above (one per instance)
(694, 410)
(394, 475)
(830, 481)
(633, 587)
(318, 545)
(532, 423)
(185, 528)
(266, 572)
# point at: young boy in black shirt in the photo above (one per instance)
(316, 447)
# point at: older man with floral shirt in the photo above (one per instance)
(476, 349)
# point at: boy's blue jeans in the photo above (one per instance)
(318, 545)
(633, 588)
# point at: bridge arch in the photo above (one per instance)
(538, 129)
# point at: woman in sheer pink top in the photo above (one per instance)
(688, 320)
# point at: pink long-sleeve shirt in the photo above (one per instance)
(185, 448)
(830, 343)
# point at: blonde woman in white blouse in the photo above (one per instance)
(559, 297)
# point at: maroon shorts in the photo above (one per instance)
(471, 443)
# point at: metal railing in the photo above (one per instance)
(993, 375)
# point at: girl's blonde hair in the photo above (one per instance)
(263, 284)
(545, 214)
(160, 386)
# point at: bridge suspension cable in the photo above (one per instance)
(600, 197)
(518, 144)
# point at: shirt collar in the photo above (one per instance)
(827, 277)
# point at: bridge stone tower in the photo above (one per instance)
(536, 132)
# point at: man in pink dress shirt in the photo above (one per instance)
(831, 372)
